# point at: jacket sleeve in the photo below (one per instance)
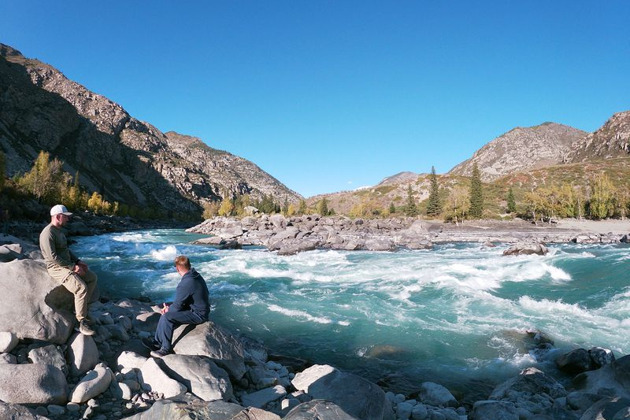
(181, 294)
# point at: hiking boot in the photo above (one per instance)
(85, 329)
(159, 353)
(151, 344)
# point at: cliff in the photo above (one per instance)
(125, 159)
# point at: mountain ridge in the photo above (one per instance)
(41, 109)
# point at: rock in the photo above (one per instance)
(601, 357)
(32, 384)
(94, 383)
(195, 410)
(33, 305)
(8, 341)
(82, 354)
(530, 380)
(614, 377)
(8, 253)
(318, 410)
(260, 399)
(154, 379)
(8, 358)
(581, 400)
(213, 341)
(200, 375)
(48, 355)
(130, 360)
(16, 412)
(436, 395)
(355, 395)
(146, 321)
(526, 249)
(495, 410)
(575, 361)
(614, 408)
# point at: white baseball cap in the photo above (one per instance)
(60, 209)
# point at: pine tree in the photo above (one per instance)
(322, 207)
(392, 208)
(476, 194)
(511, 202)
(302, 209)
(434, 207)
(411, 209)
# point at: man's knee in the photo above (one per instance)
(76, 285)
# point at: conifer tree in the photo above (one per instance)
(302, 209)
(511, 202)
(392, 208)
(322, 207)
(410, 208)
(434, 207)
(476, 194)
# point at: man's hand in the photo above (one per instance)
(80, 268)
(164, 308)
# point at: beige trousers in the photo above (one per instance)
(81, 287)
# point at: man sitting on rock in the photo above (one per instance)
(65, 267)
(191, 306)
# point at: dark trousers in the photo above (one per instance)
(171, 320)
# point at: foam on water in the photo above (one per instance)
(459, 308)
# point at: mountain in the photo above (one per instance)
(522, 149)
(612, 140)
(125, 159)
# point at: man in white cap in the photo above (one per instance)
(65, 267)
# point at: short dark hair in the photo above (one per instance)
(182, 261)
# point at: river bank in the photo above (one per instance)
(291, 235)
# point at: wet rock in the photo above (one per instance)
(526, 249)
(355, 395)
(575, 361)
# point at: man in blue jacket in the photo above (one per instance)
(191, 306)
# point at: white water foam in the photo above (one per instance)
(165, 254)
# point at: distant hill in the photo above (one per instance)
(125, 159)
(612, 140)
(522, 149)
(523, 159)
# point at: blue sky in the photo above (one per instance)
(335, 95)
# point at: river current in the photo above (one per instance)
(457, 315)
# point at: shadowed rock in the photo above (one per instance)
(33, 305)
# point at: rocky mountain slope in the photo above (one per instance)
(612, 140)
(125, 159)
(522, 149)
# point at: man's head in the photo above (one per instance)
(59, 215)
(182, 264)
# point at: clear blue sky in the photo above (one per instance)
(335, 95)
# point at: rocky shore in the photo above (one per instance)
(49, 371)
(303, 233)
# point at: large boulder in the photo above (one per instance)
(32, 384)
(32, 304)
(613, 377)
(318, 410)
(436, 395)
(495, 410)
(82, 354)
(213, 341)
(575, 361)
(154, 379)
(526, 248)
(355, 395)
(94, 383)
(195, 410)
(200, 375)
(613, 408)
(17, 412)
